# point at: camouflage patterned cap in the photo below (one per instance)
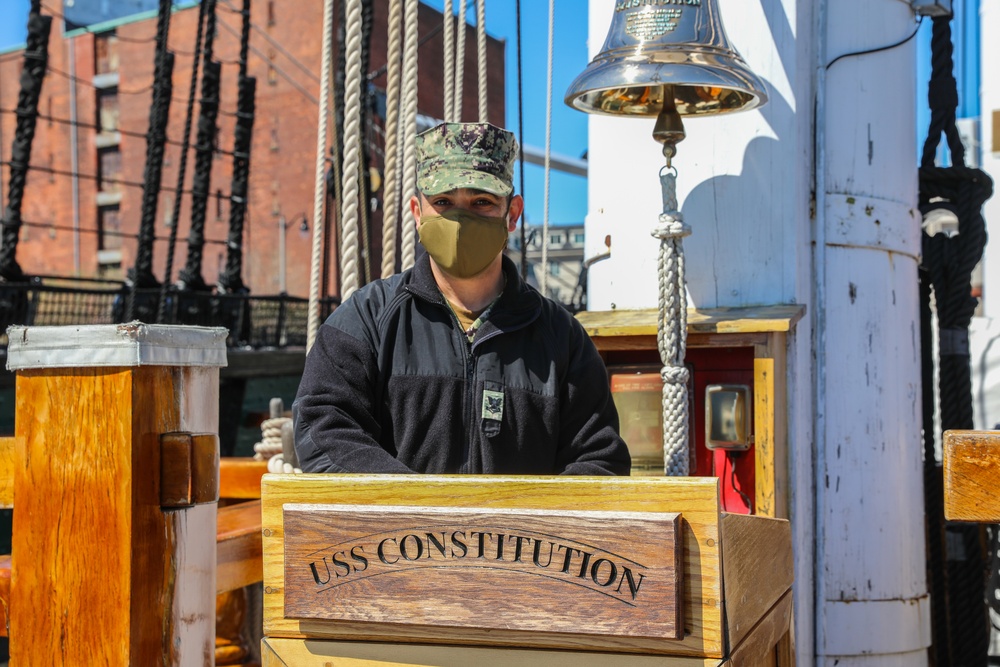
(479, 156)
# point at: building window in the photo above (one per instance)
(578, 238)
(553, 269)
(107, 110)
(270, 13)
(109, 228)
(109, 169)
(105, 53)
(555, 239)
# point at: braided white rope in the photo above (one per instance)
(409, 178)
(459, 59)
(270, 441)
(481, 53)
(671, 338)
(351, 188)
(312, 325)
(543, 280)
(390, 184)
(449, 60)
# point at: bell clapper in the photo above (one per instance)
(669, 128)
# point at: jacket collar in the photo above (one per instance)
(518, 306)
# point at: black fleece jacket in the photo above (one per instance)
(392, 385)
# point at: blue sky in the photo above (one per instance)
(568, 193)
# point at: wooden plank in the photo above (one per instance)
(695, 498)
(239, 478)
(599, 574)
(762, 646)
(238, 545)
(763, 319)
(770, 429)
(971, 476)
(7, 453)
(614, 343)
(277, 652)
(4, 595)
(74, 475)
(757, 569)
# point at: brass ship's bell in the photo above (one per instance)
(664, 58)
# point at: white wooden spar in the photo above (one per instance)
(853, 415)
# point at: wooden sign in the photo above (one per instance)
(552, 571)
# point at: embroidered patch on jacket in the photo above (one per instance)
(492, 405)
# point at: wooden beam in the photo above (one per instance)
(238, 544)
(971, 476)
(7, 446)
(757, 569)
(277, 652)
(4, 595)
(239, 478)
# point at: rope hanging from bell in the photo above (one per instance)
(671, 334)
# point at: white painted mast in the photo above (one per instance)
(746, 185)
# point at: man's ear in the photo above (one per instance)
(415, 208)
(514, 212)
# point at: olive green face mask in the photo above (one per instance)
(461, 242)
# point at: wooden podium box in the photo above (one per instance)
(363, 570)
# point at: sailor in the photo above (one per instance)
(457, 365)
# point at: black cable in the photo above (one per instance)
(123, 132)
(103, 232)
(273, 42)
(305, 93)
(88, 177)
(731, 457)
(880, 48)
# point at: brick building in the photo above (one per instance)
(109, 100)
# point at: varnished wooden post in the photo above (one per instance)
(109, 565)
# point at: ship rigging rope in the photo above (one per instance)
(390, 185)
(449, 60)
(411, 41)
(671, 338)
(352, 152)
(459, 60)
(481, 53)
(543, 280)
(319, 194)
(182, 165)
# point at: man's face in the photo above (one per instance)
(476, 201)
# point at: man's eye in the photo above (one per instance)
(441, 202)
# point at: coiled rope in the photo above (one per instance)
(390, 186)
(671, 337)
(352, 152)
(481, 60)
(543, 280)
(409, 178)
(319, 193)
